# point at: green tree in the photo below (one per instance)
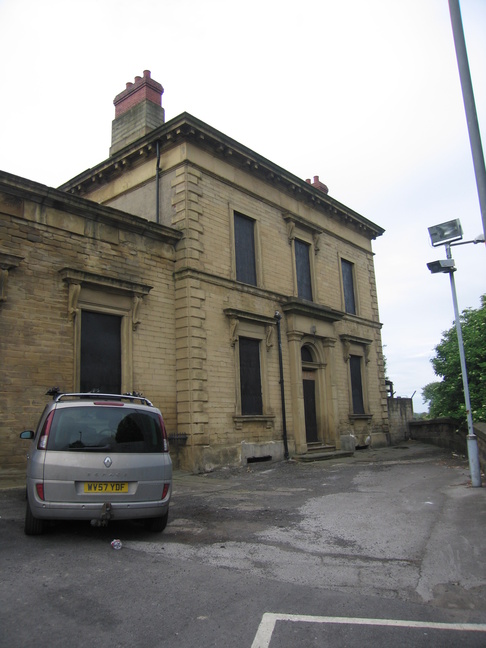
(446, 397)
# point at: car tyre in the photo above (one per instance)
(157, 524)
(32, 525)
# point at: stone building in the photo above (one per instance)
(173, 268)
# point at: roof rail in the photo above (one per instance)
(99, 396)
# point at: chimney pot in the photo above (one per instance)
(138, 110)
(317, 184)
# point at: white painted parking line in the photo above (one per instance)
(269, 620)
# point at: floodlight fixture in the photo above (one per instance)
(445, 265)
(445, 232)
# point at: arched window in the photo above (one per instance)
(306, 355)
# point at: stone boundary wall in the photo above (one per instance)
(117, 263)
(445, 433)
(400, 413)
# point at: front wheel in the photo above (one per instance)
(156, 524)
(32, 525)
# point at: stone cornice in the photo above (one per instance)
(75, 276)
(57, 199)
(347, 340)
(249, 316)
(186, 128)
(310, 309)
(75, 279)
(356, 339)
(9, 261)
(302, 222)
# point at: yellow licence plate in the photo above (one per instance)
(106, 487)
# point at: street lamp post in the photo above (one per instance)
(469, 106)
(449, 234)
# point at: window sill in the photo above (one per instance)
(360, 417)
(266, 421)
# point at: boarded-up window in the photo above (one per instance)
(302, 263)
(356, 384)
(100, 352)
(250, 377)
(245, 249)
(348, 287)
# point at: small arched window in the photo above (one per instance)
(306, 355)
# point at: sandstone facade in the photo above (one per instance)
(150, 236)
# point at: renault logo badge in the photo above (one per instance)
(108, 462)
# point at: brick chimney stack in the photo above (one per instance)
(318, 184)
(138, 110)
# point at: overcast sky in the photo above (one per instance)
(364, 93)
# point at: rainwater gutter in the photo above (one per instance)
(157, 175)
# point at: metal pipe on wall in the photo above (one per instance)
(278, 317)
(157, 174)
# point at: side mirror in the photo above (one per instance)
(27, 434)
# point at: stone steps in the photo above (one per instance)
(322, 453)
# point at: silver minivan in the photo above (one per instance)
(98, 457)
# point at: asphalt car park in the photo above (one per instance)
(264, 555)
(353, 632)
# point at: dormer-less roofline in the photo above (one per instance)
(185, 127)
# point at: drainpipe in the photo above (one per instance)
(157, 169)
(278, 317)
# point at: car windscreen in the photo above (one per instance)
(101, 428)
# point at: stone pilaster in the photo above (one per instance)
(190, 317)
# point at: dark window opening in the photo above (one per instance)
(348, 287)
(311, 435)
(250, 378)
(259, 459)
(302, 262)
(356, 384)
(100, 353)
(306, 354)
(245, 249)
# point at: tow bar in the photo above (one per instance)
(105, 517)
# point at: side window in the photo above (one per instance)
(250, 376)
(348, 286)
(245, 249)
(100, 356)
(356, 384)
(303, 270)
